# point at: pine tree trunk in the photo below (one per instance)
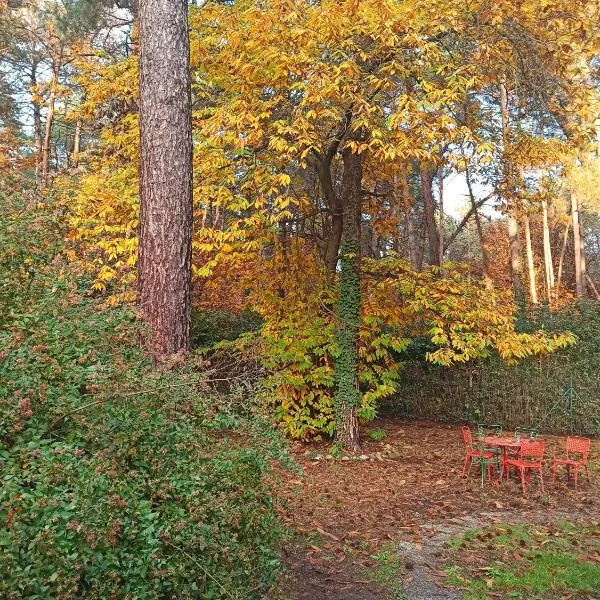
(577, 249)
(164, 262)
(530, 264)
(347, 398)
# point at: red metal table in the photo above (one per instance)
(504, 443)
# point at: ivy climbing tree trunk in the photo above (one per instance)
(347, 399)
(165, 248)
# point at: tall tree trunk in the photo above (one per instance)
(548, 266)
(530, 264)
(335, 235)
(562, 256)
(347, 399)
(577, 249)
(441, 227)
(401, 186)
(165, 245)
(429, 212)
(37, 124)
(513, 224)
(76, 144)
(485, 257)
(45, 162)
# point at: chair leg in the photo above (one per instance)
(587, 472)
(553, 473)
(542, 480)
(576, 468)
(522, 474)
(464, 471)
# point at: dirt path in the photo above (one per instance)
(406, 493)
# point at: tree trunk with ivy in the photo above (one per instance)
(347, 399)
(165, 237)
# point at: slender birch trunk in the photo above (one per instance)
(577, 248)
(548, 265)
(76, 144)
(562, 256)
(530, 264)
(45, 162)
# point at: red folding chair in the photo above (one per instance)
(474, 454)
(529, 460)
(574, 445)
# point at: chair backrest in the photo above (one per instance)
(532, 450)
(523, 433)
(467, 437)
(484, 429)
(579, 445)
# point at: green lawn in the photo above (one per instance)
(526, 561)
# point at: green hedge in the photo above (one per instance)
(558, 393)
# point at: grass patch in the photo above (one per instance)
(377, 435)
(386, 571)
(526, 561)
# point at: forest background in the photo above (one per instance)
(330, 282)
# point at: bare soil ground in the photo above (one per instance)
(406, 489)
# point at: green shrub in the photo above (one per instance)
(377, 435)
(117, 481)
(163, 508)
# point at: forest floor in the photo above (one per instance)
(380, 525)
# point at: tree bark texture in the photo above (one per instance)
(513, 225)
(37, 124)
(533, 296)
(347, 399)
(45, 160)
(548, 265)
(577, 249)
(429, 212)
(165, 235)
(562, 255)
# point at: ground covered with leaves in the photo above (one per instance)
(377, 524)
(561, 559)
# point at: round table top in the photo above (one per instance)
(509, 442)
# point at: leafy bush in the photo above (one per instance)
(156, 506)
(117, 481)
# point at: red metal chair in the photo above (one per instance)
(529, 459)
(474, 454)
(574, 445)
